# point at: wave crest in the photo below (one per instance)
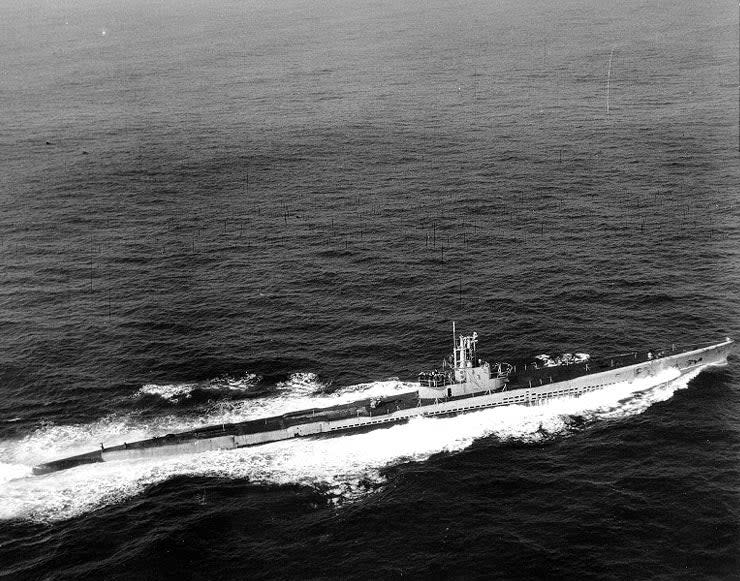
(174, 392)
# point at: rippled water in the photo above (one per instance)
(214, 211)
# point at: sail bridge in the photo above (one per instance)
(465, 375)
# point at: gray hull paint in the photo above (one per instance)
(650, 372)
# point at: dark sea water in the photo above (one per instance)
(220, 210)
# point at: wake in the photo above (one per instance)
(342, 466)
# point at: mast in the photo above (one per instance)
(454, 347)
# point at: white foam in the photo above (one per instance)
(242, 383)
(51, 441)
(303, 383)
(10, 472)
(341, 463)
(169, 391)
(175, 391)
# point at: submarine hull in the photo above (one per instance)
(368, 414)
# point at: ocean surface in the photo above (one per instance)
(219, 210)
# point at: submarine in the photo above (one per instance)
(464, 383)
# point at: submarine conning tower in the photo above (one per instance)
(465, 374)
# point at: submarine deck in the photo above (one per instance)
(525, 375)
